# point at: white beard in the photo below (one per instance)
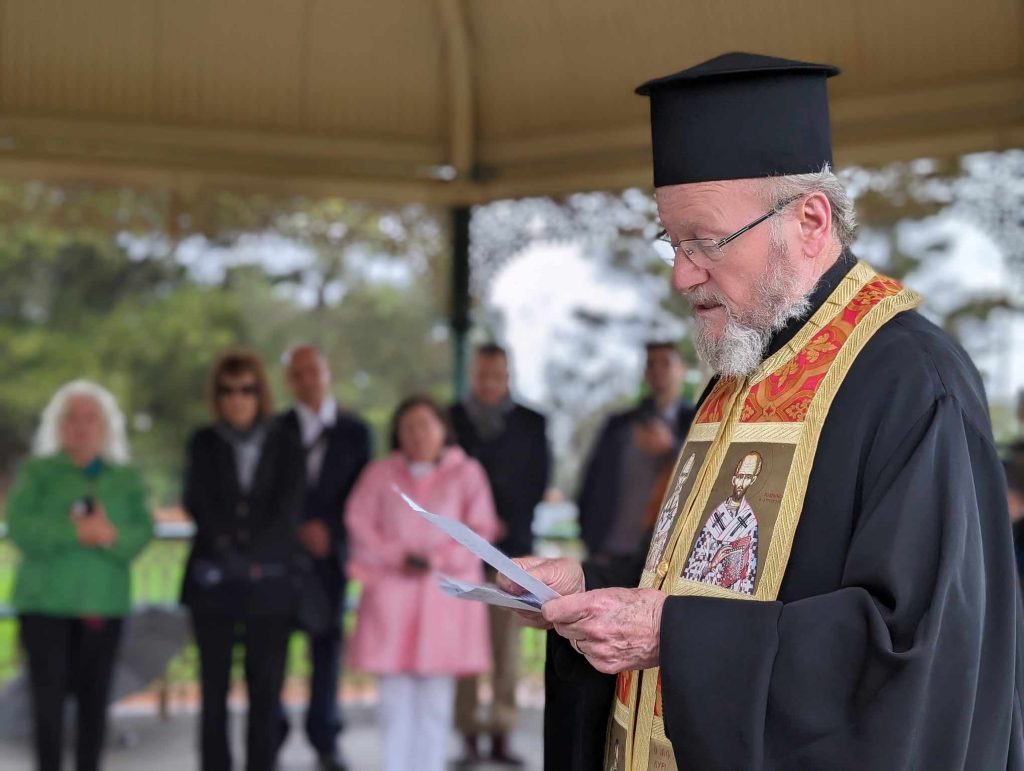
(741, 347)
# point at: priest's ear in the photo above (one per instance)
(814, 216)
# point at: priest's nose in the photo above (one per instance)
(686, 276)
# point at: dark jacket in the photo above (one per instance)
(599, 497)
(245, 548)
(349, 448)
(518, 466)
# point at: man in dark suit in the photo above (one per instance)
(337, 445)
(510, 442)
(636, 445)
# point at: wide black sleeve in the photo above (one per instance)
(577, 702)
(911, 663)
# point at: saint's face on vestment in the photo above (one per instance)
(725, 553)
(741, 482)
(669, 511)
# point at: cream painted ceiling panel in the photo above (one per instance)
(77, 58)
(394, 98)
(384, 78)
(230, 62)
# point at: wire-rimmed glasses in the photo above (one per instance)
(706, 252)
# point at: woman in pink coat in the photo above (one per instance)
(417, 640)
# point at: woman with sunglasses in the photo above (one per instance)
(244, 484)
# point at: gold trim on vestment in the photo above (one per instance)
(852, 283)
(777, 433)
(702, 432)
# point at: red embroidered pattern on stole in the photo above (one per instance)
(658, 709)
(785, 395)
(622, 684)
(713, 409)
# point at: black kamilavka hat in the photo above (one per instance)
(739, 116)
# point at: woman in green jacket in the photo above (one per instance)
(78, 515)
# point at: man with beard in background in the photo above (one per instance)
(882, 629)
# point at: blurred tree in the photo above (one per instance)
(92, 284)
(139, 289)
(75, 304)
(368, 284)
(616, 231)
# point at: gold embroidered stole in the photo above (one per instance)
(727, 522)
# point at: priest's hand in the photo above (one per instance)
(562, 574)
(615, 629)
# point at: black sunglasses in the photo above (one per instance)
(249, 389)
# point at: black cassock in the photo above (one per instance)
(895, 641)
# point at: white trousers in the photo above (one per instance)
(416, 721)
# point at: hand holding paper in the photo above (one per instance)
(562, 574)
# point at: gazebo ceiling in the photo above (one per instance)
(463, 101)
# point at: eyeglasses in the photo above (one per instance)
(249, 389)
(706, 252)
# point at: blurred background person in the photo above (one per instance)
(637, 445)
(1014, 468)
(337, 446)
(78, 515)
(510, 442)
(244, 487)
(408, 633)
(1017, 445)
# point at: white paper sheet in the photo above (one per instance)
(488, 593)
(489, 554)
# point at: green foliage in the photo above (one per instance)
(91, 286)
(75, 305)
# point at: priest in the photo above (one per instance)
(837, 587)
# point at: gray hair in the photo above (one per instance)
(291, 350)
(47, 438)
(844, 217)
